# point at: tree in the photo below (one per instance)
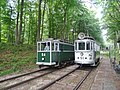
(16, 34)
(43, 18)
(20, 27)
(39, 20)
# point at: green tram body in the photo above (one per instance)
(54, 52)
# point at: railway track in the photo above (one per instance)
(52, 78)
(60, 82)
(14, 77)
(15, 81)
(82, 80)
(8, 81)
(54, 81)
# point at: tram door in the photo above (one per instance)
(55, 55)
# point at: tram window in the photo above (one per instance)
(52, 46)
(55, 46)
(61, 47)
(87, 45)
(47, 47)
(91, 46)
(38, 47)
(75, 45)
(81, 46)
(43, 46)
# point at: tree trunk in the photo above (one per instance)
(43, 18)
(24, 29)
(16, 34)
(9, 29)
(0, 25)
(20, 28)
(23, 33)
(39, 20)
(29, 32)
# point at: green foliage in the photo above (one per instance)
(60, 17)
(112, 18)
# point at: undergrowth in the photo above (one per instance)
(16, 58)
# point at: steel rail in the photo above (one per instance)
(14, 85)
(82, 80)
(22, 75)
(52, 82)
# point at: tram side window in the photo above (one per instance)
(87, 45)
(91, 46)
(55, 46)
(52, 46)
(61, 47)
(81, 46)
(75, 46)
(38, 47)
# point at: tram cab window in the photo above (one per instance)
(81, 46)
(43, 46)
(47, 47)
(87, 45)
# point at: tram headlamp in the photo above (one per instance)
(90, 57)
(90, 54)
(81, 53)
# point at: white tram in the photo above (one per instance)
(87, 51)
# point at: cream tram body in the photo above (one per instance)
(87, 51)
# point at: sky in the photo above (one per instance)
(98, 10)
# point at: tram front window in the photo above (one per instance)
(87, 45)
(45, 46)
(81, 46)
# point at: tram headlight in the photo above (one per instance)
(90, 54)
(81, 53)
(90, 58)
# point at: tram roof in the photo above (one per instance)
(86, 38)
(56, 40)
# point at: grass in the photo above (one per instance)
(112, 55)
(16, 58)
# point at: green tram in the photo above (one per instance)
(54, 52)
